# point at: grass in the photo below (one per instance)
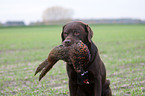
(121, 47)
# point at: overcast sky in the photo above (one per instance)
(31, 10)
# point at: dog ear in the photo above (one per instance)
(62, 37)
(90, 32)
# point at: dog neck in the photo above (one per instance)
(93, 51)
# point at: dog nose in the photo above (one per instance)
(67, 42)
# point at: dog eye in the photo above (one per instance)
(76, 33)
(65, 33)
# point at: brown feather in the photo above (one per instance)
(77, 54)
(41, 66)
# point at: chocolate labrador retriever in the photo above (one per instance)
(95, 70)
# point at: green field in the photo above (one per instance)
(121, 47)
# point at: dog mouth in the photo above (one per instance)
(70, 41)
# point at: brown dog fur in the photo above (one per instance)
(98, 86)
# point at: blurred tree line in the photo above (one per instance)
(57, 15)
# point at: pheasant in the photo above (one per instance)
(77, 54)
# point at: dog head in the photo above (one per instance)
(74, 31)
